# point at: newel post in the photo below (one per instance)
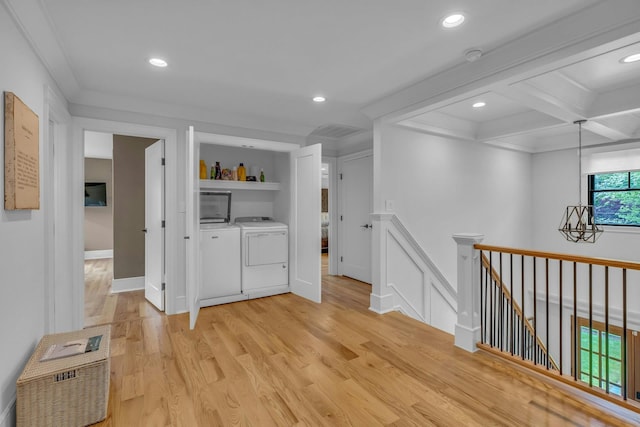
(468, 324)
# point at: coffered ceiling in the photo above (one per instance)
(537, 113)
(257, 65)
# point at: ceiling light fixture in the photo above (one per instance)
(453, 20)
(578, 223)
(479, 104)
(631, 58)
(158, 62)
(319, 99)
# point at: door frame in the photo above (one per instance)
(57, 124)
(193, 140)
(341, 161)
(334, 237)
(174, 303)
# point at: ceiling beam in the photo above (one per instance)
(545, 95)
(616, 102)
(600, 128)
(560, 97)
(441, 124)
(603, 26)
(516, 124)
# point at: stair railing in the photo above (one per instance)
(566, 316)
(508, 328)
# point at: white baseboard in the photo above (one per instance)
(8, 415)
(381, 304)
(181, 305)
(127, 284)
(106, 253)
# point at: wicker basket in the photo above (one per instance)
(72, 391)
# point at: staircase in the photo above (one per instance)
(504, 326)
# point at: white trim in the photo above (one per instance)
(106, 253)
(381, 304)
(441, 284)
(76, 208)
(412, 312)
(127, 284)
(8, 415)
(181, 305)
(57, 251)
(466, 338)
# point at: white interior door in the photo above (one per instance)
(192, 202)
(356, 185)
(153, 227)
(304, 227)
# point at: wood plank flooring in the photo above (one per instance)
(285, 361)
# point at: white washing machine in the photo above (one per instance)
(220, 268)
(265, 256)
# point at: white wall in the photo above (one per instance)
(98, 145)
(441, 186)
(555, 185)
(22, 234)
(249, 202)
(181, 126)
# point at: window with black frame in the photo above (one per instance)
(615, 198)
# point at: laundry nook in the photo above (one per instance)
(254, 220)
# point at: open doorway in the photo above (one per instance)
(328, 217)
(324, 218)
(114, 222)
(99, 302)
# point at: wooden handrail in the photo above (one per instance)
(505, 291)
(629, 265)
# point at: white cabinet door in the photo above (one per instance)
(154, 232)
(304, 227)
(192, 208)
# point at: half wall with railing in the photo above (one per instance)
(571, 317)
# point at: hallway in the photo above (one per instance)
(284, 360)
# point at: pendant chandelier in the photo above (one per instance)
(578, 222)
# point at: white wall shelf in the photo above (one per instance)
(210, 184)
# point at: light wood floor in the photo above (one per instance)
(283, 361)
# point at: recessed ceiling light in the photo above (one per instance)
(158, 62)
(479, 104)
(453, 20)
(319, 99)
(631, 58)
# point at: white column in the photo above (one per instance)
(468, 324)
(381, 299)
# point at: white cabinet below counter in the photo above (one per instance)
(220, 265)
(218, 184)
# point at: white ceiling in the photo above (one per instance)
(258, 64)
(537, 113)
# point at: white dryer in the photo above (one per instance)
(265, 256)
